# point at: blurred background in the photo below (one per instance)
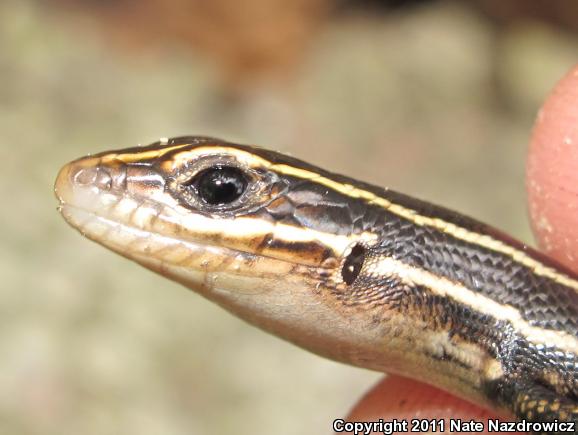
(433, 98)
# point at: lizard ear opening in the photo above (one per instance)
(353, 264)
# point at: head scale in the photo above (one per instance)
(230, 221)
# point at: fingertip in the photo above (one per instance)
(552, 173)
(400, 397)
(403, 399)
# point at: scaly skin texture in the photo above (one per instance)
(552, 181)
(347, 270)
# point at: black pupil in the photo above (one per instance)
(220, 185)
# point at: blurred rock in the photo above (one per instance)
(258, 41)
(248, 41)
(530, 56)
(563, 13)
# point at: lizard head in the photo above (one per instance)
(265, 235)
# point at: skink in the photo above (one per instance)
(353, 272)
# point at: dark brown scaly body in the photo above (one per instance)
(351, 271)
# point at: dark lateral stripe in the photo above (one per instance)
(541, 301)
(411, 276)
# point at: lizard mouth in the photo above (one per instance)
(140, 231)
(125, 205)
(205, 268)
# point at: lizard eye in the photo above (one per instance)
(219, 185)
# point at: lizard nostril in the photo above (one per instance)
(93, 176)
(85, 176)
